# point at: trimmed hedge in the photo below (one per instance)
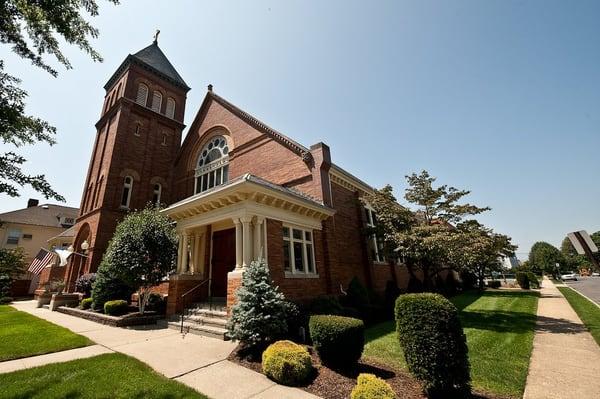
(117, 307)
(434, 344)
(338, 340)
(369, 386)
(287, 363)
(494, 284)
(533, 280)
(86, 303)
(523, 280)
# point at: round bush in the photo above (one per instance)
(86, 303)
(434, 344)
(85, 283)
(369, 386)
(286, 363)
(523, 280)
(117, 307)
(494, 284)
(338, 340)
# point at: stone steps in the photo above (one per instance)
(203, 319)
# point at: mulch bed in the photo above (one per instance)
(338, 384)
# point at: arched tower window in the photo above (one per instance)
(127, 188)
(142, 95)
(156, 101)
(213, 165)
(157, 191)
(170, 112)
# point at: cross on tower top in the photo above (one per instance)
(156, 36)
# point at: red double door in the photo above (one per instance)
(223, 260)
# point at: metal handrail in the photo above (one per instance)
(183, 298)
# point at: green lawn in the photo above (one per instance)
(23, 335)
(111, 375)
(587, 311)
(499, 328)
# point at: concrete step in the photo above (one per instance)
(218, 306)
(198, 329)
(207, 313)
(210, 321)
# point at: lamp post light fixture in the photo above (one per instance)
(84, 246)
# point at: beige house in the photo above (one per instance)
(35, 227)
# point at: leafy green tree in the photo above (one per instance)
(261, 312)
(543, 257)
(425, 239)
(12, 265)
(33, 29)
(141, 253)
(481, 250)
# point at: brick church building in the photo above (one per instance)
(236, 188)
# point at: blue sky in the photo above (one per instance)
(499, 97)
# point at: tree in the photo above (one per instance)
(261, 312)
(44, 23)
(426, 239)
(12, 265)
(481, 249)
(543, 257)
(141, 253)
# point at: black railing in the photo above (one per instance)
(184, 297)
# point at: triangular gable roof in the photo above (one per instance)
(41, 215)
(153, 59)
(281, 138)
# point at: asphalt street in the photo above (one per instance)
(588, 286)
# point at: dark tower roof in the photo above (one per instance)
(153, 59)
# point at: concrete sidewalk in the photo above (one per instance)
(565, 362)
(197, 361)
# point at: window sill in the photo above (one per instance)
(301, 275)
(380, 263)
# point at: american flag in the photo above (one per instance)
(41, 260)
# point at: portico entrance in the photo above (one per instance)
(223, 260)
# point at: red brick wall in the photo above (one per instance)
(251, 151)
(296, 289)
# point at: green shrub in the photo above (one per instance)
(533, 280)
(5, 300)
(369, 386)
(117, 307)
(356, 294)
(468, 280)
(157, 303)
(287, 363)
(338, 340)
(494, 284)
(414, 285)
(86, 303)
(451, 284)
(108, 286)
(522, 279)
(434, 344)
(326, 305)
(261, 312)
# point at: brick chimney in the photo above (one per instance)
(32, 202)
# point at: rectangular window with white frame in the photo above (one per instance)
(298, 252)
(14, 235)
(375, 244)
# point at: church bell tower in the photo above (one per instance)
(137, 140)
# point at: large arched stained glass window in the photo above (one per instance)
(213, 165)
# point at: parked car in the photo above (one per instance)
(595, 274)
(569, 276)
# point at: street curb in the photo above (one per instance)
(585, 296)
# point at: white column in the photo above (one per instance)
(197, 258)
(191, 261)
(184, 258)
(247, 241)
(179, 253)
(238, 244)
(201, 255)
(258, 238)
